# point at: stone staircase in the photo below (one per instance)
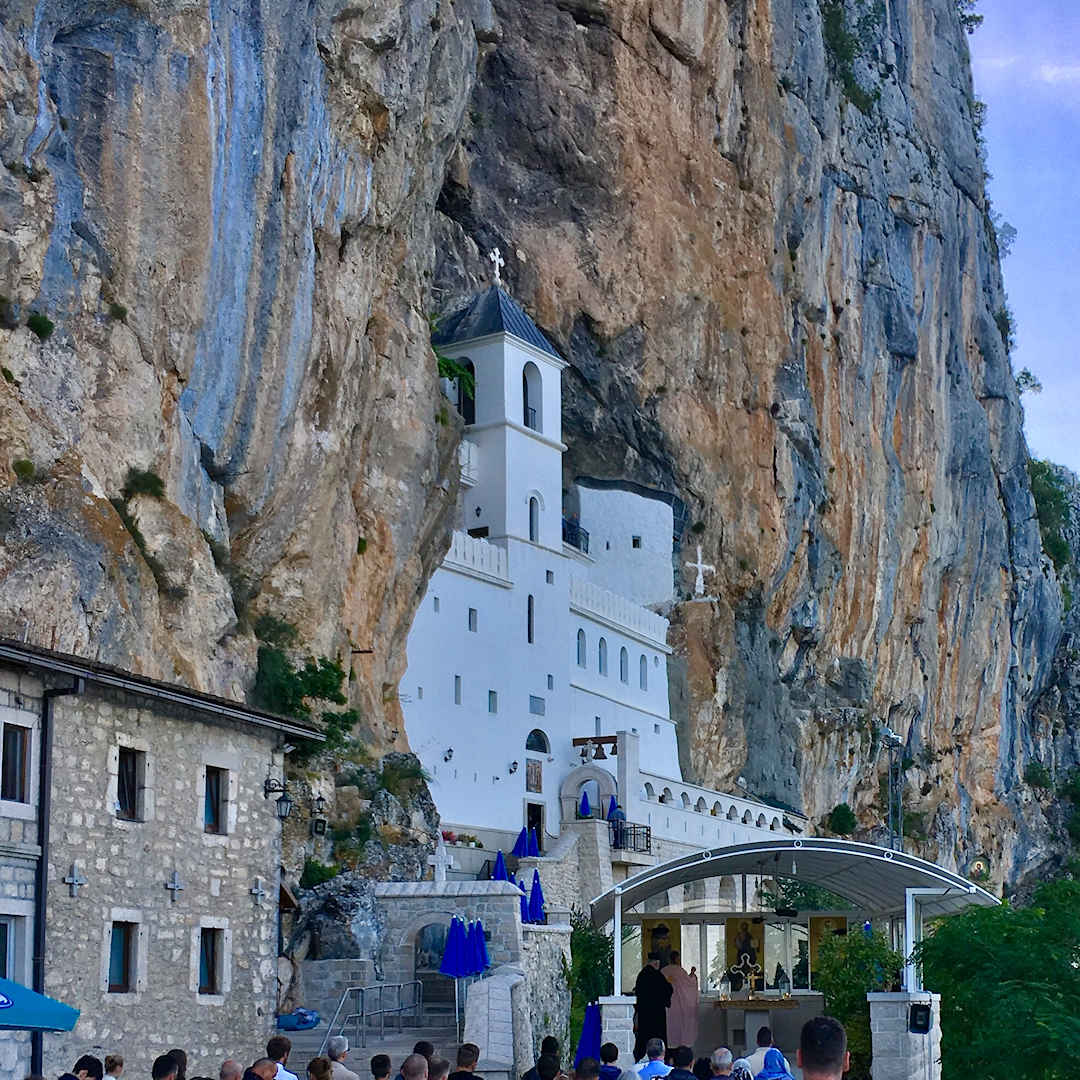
(398, 1044)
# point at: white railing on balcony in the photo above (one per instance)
(591, 599)
(468, 460)
(477, 557)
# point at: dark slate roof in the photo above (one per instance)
(491, 312)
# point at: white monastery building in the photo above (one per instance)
(536, 670)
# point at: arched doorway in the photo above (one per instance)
(466, 402)
(429, 944)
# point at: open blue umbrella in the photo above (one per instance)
(589, 1044)
(584, 810)
(611, 807)
(521, 846)
(536, 900)
(499, 872)
(534, 845)
(524, 904)
(481, 946)
(22, 1009)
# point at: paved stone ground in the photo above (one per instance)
(398, 1044)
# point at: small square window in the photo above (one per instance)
(435, 604)
(122, 957)
(130, 784)
(457, 689)
(551, 682)
(537, 705)
(472, 619)
(215, 800)
(550, 577)
(15, 767)
(635, 541)
(210, 960)
(656, 729)
(420, 693)
(493, 701)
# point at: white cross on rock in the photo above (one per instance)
(441, 861)
(499, 262)
(701, 568)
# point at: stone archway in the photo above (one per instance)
(572, 786)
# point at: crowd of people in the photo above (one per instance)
(821, 1055)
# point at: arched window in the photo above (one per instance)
(531, 395)
(666, 797)
(624, 665)
(530, 619)
(774, 825)
(717, 810)
(761, 822)
(603, 656)
(685, 801)
(581, 661)
(466, 397)
(650, 792)
(700, 806)
(534, 519)
(537, 742)
(733, 813)
(748, 818)
(643, 673)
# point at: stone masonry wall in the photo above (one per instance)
(545, 958)
(900, 1054)
(126, 865)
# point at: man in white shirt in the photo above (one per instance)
(654, 1067)
(277, 1050)
(336, 1049)
(764, 1045)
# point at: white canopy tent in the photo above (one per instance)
(879, 881)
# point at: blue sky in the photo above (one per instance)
(1026, 60)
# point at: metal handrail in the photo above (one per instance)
(628, 836)
(362, 1013)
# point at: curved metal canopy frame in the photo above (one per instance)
(873, 878)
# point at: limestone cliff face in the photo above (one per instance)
(777, 306)
(781, 308)
(225, 208)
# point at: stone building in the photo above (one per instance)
(151, 891)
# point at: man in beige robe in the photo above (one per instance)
(682, 1014)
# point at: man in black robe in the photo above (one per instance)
(653, 993)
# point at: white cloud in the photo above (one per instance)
(1058, 73)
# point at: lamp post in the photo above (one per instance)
(894, 744)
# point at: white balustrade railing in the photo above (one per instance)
(477, 556)
(468, 460)
(596, 600)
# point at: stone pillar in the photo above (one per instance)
(628, 753)
(899, 1053)
(617, 1026)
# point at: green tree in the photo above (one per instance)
(848, 968)
(1009, 979)
(842, 820)
(592, 959)
(1052, 510)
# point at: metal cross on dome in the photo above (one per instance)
(495, 255)
(747, 969)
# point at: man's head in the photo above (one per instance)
(180, 1058)
(823, 1052)
(721, 1060)
(467, 1056)
(265, 1068)
(587, 1069)
(675, 956)
(425, 1049)
(609, 1053)
(549, 1045)
(337, 1048)
(164, 1068)
(654, 959)
(277, 1049)
(88, 1067)
(684, 1057)
(380, 1066)
(654, 1049)
(547, 1067)
(764, 1036)
(438, 1068)
(414, 1067)
(230, 1070)
(113, 1062)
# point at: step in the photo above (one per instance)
(397, 1044)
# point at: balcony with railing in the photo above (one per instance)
(468, 460)
(574, 535)
(618, 611)
(478, 558)
(626, 836)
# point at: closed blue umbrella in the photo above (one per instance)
(521, 846)
(471, 956)
(536, 900)
(499, 872)
(481, 944)
(453, 960)
(21, 1009)
(524, 904)
(534, 845)
(589, 1044)
(584, 810)
(611, 807)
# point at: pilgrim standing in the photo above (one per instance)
(682, 1016)
(653, 993)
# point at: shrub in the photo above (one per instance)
(282, 688)
(848, 968)
(142, 482)
(41, 325)
(275, 631)
(361, 545)
(1052, 510)
(315, 873)
(118, 312)
(8, 377)
(24, 470)
(1003, 317)
(842, 820)
(402, 777)
(1037, 775)
(592, 955)
(844, 48)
